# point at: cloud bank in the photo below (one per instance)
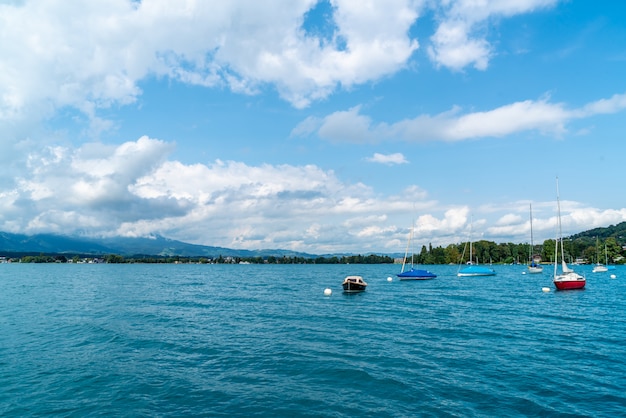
(135, 190)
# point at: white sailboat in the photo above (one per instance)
(568, 278)
(599, 267)
(533, 267)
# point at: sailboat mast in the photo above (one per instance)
(406, 252)
(558, 208)
(530, 256)
(411, 239)
(560, 236)
(470, 240)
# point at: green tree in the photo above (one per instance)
(114, 259)
(613, 250)
(547, 253)
(452, 254)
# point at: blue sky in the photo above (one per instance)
(316, 126)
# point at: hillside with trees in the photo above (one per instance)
(586, 247)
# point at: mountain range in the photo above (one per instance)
(153, 246)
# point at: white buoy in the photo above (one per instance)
(545, 289)
(328, 292)
(390, 279)
(612, 276)
(523, 272)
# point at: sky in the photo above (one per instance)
(314, 126)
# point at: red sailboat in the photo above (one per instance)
(568, 278)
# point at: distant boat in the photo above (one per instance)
(354, 284)
(533, 267)
(413, 273)
(473, 270)
(599, 267)
(568, 279)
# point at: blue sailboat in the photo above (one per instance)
(413, 273)
(473, 270)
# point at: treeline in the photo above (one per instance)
(118, 259)
(484, 252)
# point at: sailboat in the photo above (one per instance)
(473, 270)
(533, 267)
(599, 267)
(413, 273)
(568, 279)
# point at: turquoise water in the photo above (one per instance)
(263, 340)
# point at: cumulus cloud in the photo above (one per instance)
(460, 39)
(92, 55)
(135, 190)
(529, 115)
(575, 217)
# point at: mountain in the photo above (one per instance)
(154, 246)
(48, 243)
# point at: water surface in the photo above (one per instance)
(263, 340)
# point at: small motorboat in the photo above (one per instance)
(353, 284)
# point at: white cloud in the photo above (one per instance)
(453, 48)
(460, 39)
(529, 115)
(133, 190)
(614, 104)
(348, 126)
(575, 217)
(91, 55)
(390, 159)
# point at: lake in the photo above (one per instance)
(264, 340)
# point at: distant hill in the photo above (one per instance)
(614, 231)
(156, 246)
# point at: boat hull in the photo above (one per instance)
(569, 284)
(475, 271)
(353, 288)
(569, 280)
(535, 269)
(416, 274)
